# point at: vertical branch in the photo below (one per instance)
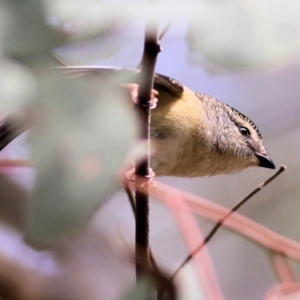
(151, 50)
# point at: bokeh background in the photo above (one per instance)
(269, 97)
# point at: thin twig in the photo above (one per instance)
(164, 31)
(255, 232)
(160, 37)
(192, 235)
(59, 60)
(130, 198)
(221, 221)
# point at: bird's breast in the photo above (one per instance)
(178, 132)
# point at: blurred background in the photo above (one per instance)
(269, 97)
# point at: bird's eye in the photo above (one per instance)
(244, 131)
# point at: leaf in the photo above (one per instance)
(238, 35)
(17, 87)
(142, 291)
(80, 138)
(88, 18)
(27, 33)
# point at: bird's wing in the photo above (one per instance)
(169, 84)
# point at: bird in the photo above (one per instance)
(194, 134)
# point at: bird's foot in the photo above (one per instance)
(133, 89)
(148, 180)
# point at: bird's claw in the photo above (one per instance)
(148, 180)
(133, 91)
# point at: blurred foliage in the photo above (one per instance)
(83, 130)
(233, 35)
(17, 86)
(79, 140)
(240, 35)
(26, 32)
(143, 291)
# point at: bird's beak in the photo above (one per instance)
(265, 161)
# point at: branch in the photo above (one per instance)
(192, 235)
(165, 29)
(240, 224)
(151, 50)
(13, 126)
(283, 270)
(226, 216)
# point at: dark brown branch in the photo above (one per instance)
(226, 216)
(151, 50)
(12, 127)
(131, 199)
(161, 289)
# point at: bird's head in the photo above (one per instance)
(236, 140)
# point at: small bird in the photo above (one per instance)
(194, 134)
